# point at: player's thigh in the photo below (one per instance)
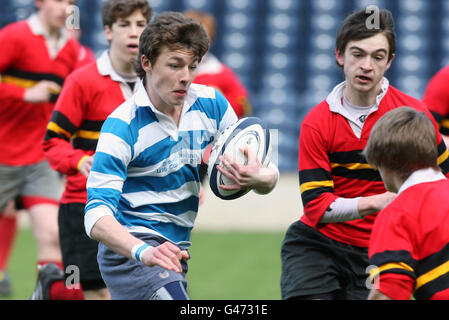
(42, 185)
(78, 250)
(11, 182)
(308, 264)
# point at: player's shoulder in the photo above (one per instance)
(397, 98)
(16, 30)
(316, 115)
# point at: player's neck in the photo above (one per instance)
(120, 66)
(361, 99)
(52, 32)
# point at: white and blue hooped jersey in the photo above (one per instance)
(145, 169)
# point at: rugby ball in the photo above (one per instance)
(249, 132)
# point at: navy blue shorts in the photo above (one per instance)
(127, 279)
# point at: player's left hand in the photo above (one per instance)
(252, 175)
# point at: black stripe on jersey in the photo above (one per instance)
(354, 156)
(85, 144)
(381, 258)
(360, 174)
(92, 125)
(433, 261)
(444, 131)
(34, 76)
(312, 194)
(438, 117)
(314, 175)
(64, 123)
(445, 164)
(426, 291)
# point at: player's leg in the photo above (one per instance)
(40, 197)
(79, 252)
(308, 267)
(10, 183)
(171, 291)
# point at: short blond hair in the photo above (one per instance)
(403, 140)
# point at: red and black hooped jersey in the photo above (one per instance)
(410, 244)
(24, 61)
(331, 165)
(86, 100)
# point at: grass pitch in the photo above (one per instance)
(223, 266)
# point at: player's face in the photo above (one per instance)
(365, 63)
(54, 12)
(124, 36)
(170, 77)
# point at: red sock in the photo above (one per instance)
(59, 291)
(8, 228)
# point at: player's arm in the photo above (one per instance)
(392, 250)
(64, 123)
(321, 205)
(112, 234)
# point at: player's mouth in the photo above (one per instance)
(363, 79)
(133, 47)
(180, 93)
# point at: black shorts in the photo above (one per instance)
(315, 266)
(78, 250)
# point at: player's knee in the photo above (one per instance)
(171, 291)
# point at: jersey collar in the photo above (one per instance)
(421, 176)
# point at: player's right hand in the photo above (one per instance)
(166, 255)
(86, 165)
(41, 92)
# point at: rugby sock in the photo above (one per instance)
(8, 229)
(59, 290)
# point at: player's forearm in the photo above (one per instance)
(113, 235)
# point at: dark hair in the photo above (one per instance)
(174, 31)
(403, 140)
(112, 10)
(355, 28)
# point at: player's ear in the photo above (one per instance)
(340, 58)
(108, 32)
(146, 64)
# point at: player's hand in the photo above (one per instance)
(375, 203)
(86, 165)
(41, 92)
(166, 255)
(253, 175)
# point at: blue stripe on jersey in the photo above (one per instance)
(177, 208)
(203, 105)
(105, 163)
(169, 230)
(103, 196)
(188, 140)
(171, 181)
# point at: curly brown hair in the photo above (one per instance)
(174, 31)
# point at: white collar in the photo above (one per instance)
(105, 68)
(334, 99)
(38, 29)
(421, 176)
